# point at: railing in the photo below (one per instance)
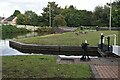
(116, 50)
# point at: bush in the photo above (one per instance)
(22, 30)
(13, 29)
(45, 29)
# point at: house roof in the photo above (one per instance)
(1, 18)
(10, 18)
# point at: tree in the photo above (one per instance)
(101, 16)
(85, 18)
(75, 17)
(16, 12)
(59, 20)
(22, 19)
(33, 18)
(116, 13)
(69, 13)
(97, 14)
(41, 21)
(53, 9)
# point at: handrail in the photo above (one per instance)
(114, 37)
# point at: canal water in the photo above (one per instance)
(6, 50)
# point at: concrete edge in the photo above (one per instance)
(95, 73)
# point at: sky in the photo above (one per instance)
(7, 7)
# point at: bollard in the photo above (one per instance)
(102, 37)
(97, 28)
(85, 48)
(81, 27)
(108, 38)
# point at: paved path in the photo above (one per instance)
(102, 68)
(106, 71)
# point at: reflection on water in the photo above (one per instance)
(19, 35)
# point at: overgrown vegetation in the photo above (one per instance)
(44, 29)
(70, 38)
(13, 29)
(41, 67)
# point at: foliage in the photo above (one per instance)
(71, 16)
(16, 12)
(76, 18)
(44, 29)
(101, 16)
(9, 28)
(41, 67)
(53, 9)
(32, 17)
(22, 19)
(116, 14)
(12, 29)
(59, 20)
(41, 21)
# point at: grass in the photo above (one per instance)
(69, 38)
(41, 67)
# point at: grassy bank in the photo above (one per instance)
(69, 38)
(41, 67)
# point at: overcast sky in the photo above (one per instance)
(7, 7)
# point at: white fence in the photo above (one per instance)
(32, 28)
(116, 50)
